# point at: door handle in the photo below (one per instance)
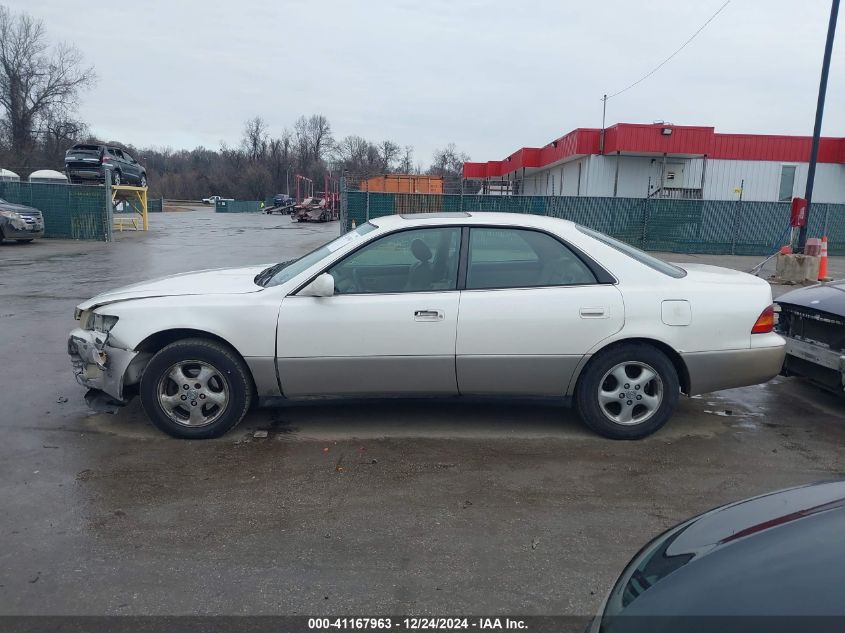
(428, 315)
(593, 313)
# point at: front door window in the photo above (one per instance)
(420, 260)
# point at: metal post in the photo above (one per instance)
(603, 113)
(817, 129)
(109, 203)
(616, 176)
(342, 195)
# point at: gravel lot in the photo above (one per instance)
(354, 508)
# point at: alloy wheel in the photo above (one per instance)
(630, 393)
(193, 393)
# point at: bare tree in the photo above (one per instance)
(448, 162)
(36, 83)
(254, 142)
(389, 153)
(406, 163)
(318, 133)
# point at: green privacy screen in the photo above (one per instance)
(70, 211)
(242, 206)
(717, 227)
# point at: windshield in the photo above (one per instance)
(285, 271)
(641, 256)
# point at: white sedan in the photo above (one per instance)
(433, 304)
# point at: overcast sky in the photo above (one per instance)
(489, 76)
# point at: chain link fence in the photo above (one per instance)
(716, 227)
(75, 212)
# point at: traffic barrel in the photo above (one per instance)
(823, 260)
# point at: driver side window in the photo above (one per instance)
(419, 260)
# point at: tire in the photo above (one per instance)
(643, 407)
(115, 179)
(25, 241)
(222, 400)
(143, 180)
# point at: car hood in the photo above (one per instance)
(18, 208)
(827, 297)
(217, 281)
(776, 554)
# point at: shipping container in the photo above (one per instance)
(403, 183)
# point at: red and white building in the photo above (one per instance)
(670, 161)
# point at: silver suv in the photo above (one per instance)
(19, 222)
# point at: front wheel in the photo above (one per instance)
(143, 180)
(628, 392)
(196, 389)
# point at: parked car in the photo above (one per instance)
(86, 163)
(20, 222)
(282, 203)
(214, 199)
(779, 554)
(282, 200)
(812, 320)
(547, 308)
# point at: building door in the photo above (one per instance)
(673, 176)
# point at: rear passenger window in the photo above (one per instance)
(519, 258)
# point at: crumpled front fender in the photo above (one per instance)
(98, 365)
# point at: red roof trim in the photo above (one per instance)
(650, 139)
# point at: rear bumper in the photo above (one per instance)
(728, 369)
(84, 172)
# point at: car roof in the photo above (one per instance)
(470, 217)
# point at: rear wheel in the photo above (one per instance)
(196, 389)
(115, 179)
(628, 392)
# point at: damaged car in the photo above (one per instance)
(548, 309)
(19, 222)
(812, 320)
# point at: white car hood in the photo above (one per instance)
(219, 281)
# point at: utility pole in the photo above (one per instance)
(817, 130)
(603, 113)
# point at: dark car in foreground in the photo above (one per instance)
(812, 320)
(20, 222)
(757, 564)
(86, 163)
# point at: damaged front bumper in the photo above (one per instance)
(102, 367)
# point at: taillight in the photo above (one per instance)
(765, 322)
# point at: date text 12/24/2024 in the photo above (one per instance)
(418, 624)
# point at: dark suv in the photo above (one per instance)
(86, 163)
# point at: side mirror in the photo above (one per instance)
(322, 286)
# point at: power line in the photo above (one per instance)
(665, 61)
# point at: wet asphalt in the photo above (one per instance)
(434, 507)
